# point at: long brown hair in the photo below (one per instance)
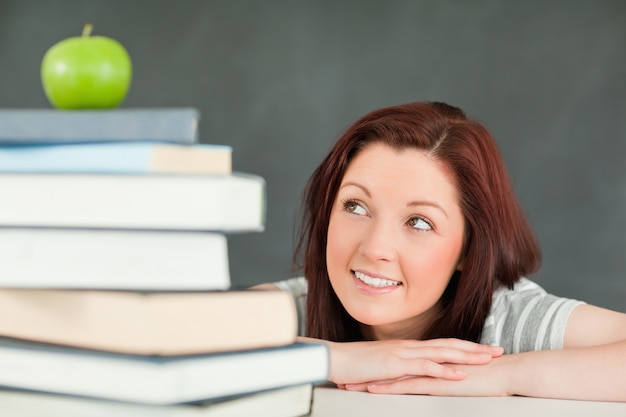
(500, 246)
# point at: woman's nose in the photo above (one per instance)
(378, 243)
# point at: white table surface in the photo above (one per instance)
(332, 402)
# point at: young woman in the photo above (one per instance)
(415, 252)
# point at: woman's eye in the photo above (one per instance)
(419, 223)
(353, 207)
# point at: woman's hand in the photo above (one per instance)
(487, 380)
(354, 365)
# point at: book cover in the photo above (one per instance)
(292, 401)
(175, 125)
(227, 203)
(140, 260)
(117, 157)
(150, 323)
(160, 380)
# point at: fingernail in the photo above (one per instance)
(496, 349)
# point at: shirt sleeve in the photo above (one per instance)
(527, 318)
(297, 287)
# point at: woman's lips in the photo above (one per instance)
(374, 285)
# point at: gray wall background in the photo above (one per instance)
(280, 80)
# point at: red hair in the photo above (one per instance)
(500, 247)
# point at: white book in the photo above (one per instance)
(293, 401)
(157, 379)
(229, 203)
(143, 260)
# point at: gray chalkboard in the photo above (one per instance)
(280, 80)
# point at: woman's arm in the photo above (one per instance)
(358, 362)
(591, 366)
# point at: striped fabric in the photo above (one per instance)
(523, 319)
(298, 289)
(527, 318)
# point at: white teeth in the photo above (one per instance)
(376, 282)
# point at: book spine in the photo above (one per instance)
(173, 125)
(116, 157)
(225, 203)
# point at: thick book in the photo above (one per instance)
(228, 203)
(160, 380)
(292, 401)
(151, 323)
(175, 125)
(143, 260)
(117, 157)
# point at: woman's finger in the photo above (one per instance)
(443, 354)
(400, 368)
(464, 345)
(415, 385)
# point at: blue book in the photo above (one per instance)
(159, 379)
(176, 125)
(117, 157)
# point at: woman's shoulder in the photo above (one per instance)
(297, 286)
(522, 290)
(527, 317)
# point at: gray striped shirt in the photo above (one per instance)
(523, 319)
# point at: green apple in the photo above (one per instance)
(86, 72)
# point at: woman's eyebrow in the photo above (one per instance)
(409, 204)
(427, 203)
(354, 184)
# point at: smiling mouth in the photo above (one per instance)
(376, 282)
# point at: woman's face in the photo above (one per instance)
(394, 239)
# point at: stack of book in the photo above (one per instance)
(115, 293)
